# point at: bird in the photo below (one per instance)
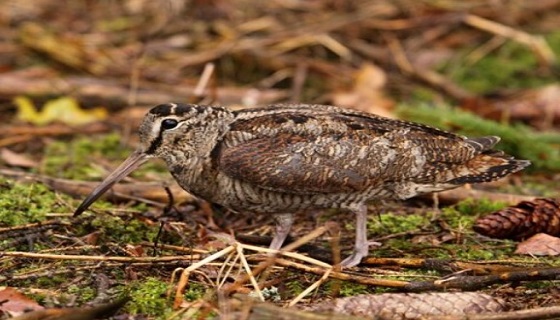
(287, 158)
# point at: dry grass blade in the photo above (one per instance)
(48, 256)
(536, 43)
(309, 289)
(184, 278)
(250, 274)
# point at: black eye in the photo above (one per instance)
(167, 124)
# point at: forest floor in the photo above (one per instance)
(77, 77)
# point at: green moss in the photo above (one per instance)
(553, 40)
(463, 214)
(130, 231)
(512, 65)
(81, 292)
(22, 203)
(51, 282)
(72, 159)
(390, 223)
(348, 289)
(295, 287)
(478, 206)
(148, 298)
(75, 159)
(194, 291)
(470, 251)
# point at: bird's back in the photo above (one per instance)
(328, 156)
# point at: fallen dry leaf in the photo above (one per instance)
(101, 311)
(15, 159)
(538, 107)
(540, 244)
(65, 110)
(367, 93)
(15, 303)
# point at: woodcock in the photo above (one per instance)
(287, 158)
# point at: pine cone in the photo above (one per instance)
(522, 221)
(413, 305)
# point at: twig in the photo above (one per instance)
(471, 283)
(309, 289)
(537, 43)
(204, 79)
(19, 254)
(456, 195)
(445, 265)
(143, 191)
(343, 275)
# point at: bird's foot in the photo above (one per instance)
(353, 260)
(358, 254)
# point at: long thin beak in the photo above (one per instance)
(132, 162)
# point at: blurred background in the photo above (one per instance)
(479, 55)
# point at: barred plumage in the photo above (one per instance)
(292, 157)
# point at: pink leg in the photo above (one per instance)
(284, 223)
(361, 244)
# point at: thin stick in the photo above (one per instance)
(537, 43)
(34, 255)
(312, 287)
(249, 272)
(204, 79)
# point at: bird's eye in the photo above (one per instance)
(168, 124)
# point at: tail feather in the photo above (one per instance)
(486, 167)
(483, 143)
(487, 164)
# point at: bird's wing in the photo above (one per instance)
(295, 164)
(310, 152)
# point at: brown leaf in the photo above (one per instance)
(15, 302)
(367, 93)
(135, 250)
(91, 238)
(101, 311)
(537, 107)
(15, 159)
(540, 244)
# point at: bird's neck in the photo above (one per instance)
(193, 167)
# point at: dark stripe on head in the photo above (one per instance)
(176, 109)
(182, 109)
(156, 143)
(162, 109)
(200, 109)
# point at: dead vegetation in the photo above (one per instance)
(174, 256)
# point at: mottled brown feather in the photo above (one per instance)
(277, 163)
(297, 156)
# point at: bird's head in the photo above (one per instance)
(176, 133)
